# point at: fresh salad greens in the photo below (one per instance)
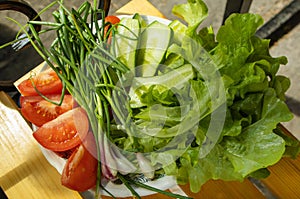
(174, 99)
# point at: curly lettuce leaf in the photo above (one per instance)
(198, 171)
(193, 12)
(234, 43)
(257, 146)
(255, 106)
(238, 156)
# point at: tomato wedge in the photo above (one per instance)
(39, 111)
(65, 132)
(46, 82)
(80, 171)
(66, 154)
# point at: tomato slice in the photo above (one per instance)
(65, 132)
(46, 82)
(66, 154)
(39, 111)
(80, 171)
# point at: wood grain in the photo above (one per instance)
(140, 6)
(217, 189)
(284, 180)
(33, 72)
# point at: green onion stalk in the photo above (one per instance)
(89, 71)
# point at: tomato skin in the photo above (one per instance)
(80, 171)
(65, 132)
(111, 20)
(39, 111)
(46, 82)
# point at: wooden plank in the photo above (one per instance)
(24, 172)
(140, 6)
(284, 180)
(217, 189)
(34, 71)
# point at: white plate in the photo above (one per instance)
(164, 183)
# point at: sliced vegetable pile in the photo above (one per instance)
(158, 98)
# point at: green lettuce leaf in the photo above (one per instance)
(193, 12)
(257, 146)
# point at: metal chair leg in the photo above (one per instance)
(281, 23)
(236, 6)
(104, 5)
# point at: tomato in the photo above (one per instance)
(64, 132)
(66, 154)
(111, 20)
(46, 82)
(39, 111)
(80, 171)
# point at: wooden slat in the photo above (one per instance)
(24, 172)
(284, 180)
(227, 190)
(34, 71)
(218, 189)
(140, 6)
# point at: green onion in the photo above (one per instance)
(131, 182)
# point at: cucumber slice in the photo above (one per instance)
(154, 42)
(126, 42)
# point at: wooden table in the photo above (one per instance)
(25, 173)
